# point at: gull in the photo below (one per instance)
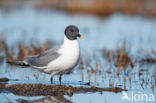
(57, 61)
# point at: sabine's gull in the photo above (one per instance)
(57, 61)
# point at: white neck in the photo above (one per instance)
(70, 42)
(70, 45)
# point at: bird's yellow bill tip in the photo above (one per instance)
(81, 37)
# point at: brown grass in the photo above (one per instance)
(150, 59)
(123, 59)
(11, 3)
(119, 57)
(102, 7)
(23, 50)
(35, 89)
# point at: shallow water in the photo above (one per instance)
(28, 24)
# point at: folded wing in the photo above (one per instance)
(43, 59)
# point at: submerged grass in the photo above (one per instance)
(119, 57)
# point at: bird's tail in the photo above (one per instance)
(18, 63)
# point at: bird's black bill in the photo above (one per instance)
(80, 36)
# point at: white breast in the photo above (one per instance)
(69, 58)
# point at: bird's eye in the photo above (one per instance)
(72, 30)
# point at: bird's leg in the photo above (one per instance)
(60, 78)
(51, 79)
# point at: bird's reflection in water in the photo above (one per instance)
(48, 99)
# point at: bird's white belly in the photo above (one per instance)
(66, 62)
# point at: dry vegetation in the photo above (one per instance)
(22, 50)
(102, 7)
(96, 7)
(53, 93)
(53, 90)
(119, 57)
(11, 3)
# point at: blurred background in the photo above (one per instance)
(118, 48)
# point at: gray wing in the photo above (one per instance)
(43, 59)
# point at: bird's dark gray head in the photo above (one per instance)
(72, 32)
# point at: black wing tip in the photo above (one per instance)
(18, 63)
